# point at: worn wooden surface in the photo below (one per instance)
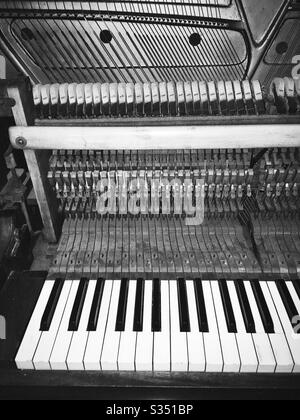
(37, 161)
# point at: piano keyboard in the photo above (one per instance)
(182, 325)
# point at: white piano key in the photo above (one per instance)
(109, 357)
(232, 363)
(214, 357)
(196, 352)
(249, 362)
(77, 348)
(126, 359)
(278, 341)
(96, 338)
(295, 298)
(43, 352)
(179, 353)
(58, 358)
(24, 358)
(144, 345)
(264, 351)
(294, 336)
(162, 350)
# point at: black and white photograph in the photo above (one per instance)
(150, 203)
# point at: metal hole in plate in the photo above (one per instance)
(195, 39)
(106, 36)
(27, 34)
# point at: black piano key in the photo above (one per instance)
(201, 309)
(122, 305)
(78, 305)
(227, 305)
(296, 284)
(96, 305)
(156, 306)
(184, 316)
(139, 306)
(263, 307)
(245, 307)
(287, 300)
(51, 305)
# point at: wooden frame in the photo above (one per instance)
(37, 161)
(156, 137)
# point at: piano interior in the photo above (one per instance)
(163, 144)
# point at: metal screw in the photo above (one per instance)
(21, 142)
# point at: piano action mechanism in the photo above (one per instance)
(175, 207)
